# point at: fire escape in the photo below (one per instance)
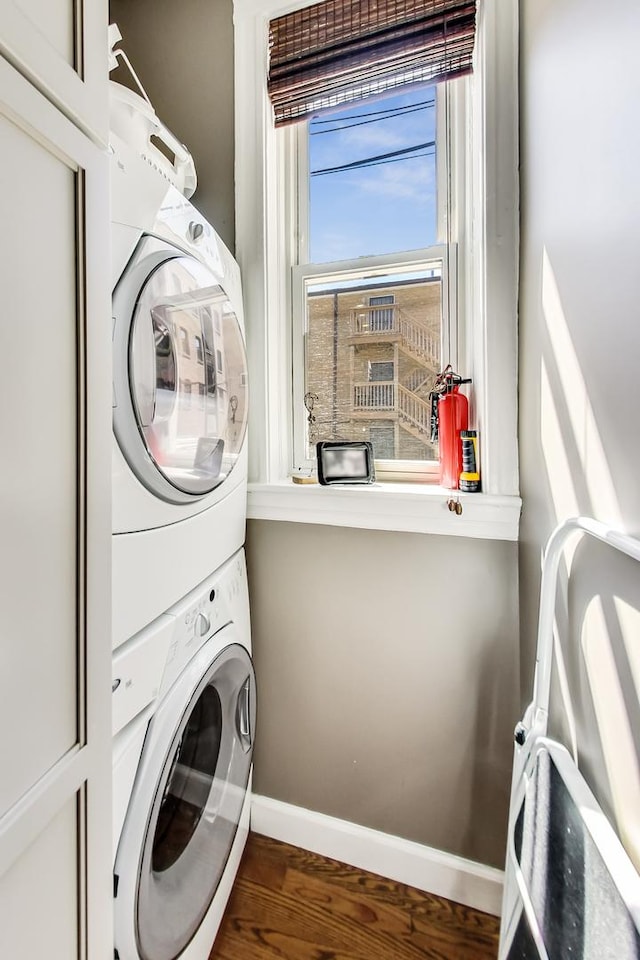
(416, 362)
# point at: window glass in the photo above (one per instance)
(197, 806)
(190, 405)
(381, 370)
(373, 335)
(372, 177)
(190, 781)
(369, 377)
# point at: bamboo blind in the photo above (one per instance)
(339, 51)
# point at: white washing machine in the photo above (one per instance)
(180, 394)
(184, 709)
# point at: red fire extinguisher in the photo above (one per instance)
(449, 415)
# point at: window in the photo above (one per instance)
(381, 370)
(371, 284)
(484, 339)
(364, 362)
(370, 177)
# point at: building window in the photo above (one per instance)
(381, 370)
(371, 283)
(471, 257)
(199, 352)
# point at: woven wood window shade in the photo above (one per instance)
(338, 51)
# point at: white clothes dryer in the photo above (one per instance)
(180, 393)
(184, 721)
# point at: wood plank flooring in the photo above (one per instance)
(289, 904)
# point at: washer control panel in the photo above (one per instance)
(138, 668)
(217, 601)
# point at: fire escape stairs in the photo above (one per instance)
(414, 352)
(411, 397)
(414, 408)
(414, 414)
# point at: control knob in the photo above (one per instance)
(195, 231)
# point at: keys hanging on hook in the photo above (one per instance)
(310, 399)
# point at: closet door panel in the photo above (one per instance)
(39, 490)
(61, 47)
(55, 396)
(39, 894)
(56, 20)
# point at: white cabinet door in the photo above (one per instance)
(61, 47)
(55, 868)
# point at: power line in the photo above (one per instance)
(374, 113)
(361, 123)
(370, 161)
(380, 163)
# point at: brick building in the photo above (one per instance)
(372, 355)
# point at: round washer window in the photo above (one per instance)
(196, 808)
(190, 780)
(188, 376)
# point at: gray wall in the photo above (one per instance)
(580, 318)
(183, 54)
(387, 679)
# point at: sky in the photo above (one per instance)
(387, 206)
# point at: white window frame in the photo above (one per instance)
(450, 176)
(488, 267)
(411, 261)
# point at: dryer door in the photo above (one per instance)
(180, 373)
(186, 804)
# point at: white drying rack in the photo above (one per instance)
(570, 888)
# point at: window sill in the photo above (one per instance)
(409, 507)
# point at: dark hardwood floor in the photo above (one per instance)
(289, 904)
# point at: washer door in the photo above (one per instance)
(186, 804)
(180, 373)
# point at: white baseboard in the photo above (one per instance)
(426, 868)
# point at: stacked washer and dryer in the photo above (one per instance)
(183, 682)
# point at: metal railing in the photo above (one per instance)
(376, 395)
(414, 410)
(420, 341)
(418, 378)
(391, 396)
(372, 321)
(368, 320)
